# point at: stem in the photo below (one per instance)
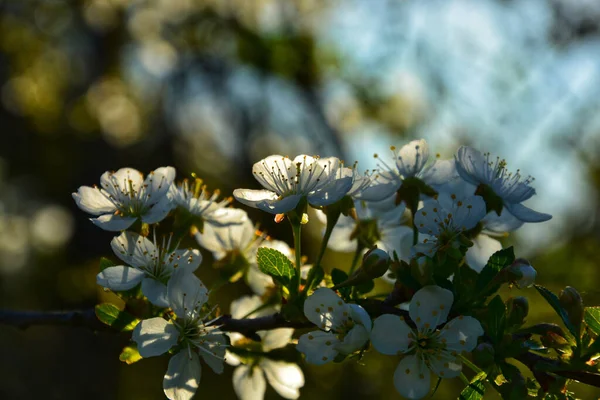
(359, 249)
(297, 230)
(333, 215)
(415, 230)
(469, 364)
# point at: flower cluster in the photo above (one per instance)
(428, 227)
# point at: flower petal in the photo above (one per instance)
(186, 293)
(159, 211)
(360, 316)
(118, 184)
(461, 333)
(471, 165)
(221, 239)
(411, 158)
(249, 383)
(412, 378)
(441, 172)
(381, 188)
(276, 338)
(154, 336)
(526, 214)
(354, 340)
(258, 281)
(390, 334)
(318, 347)
(93, 201)
(112, 222)
(330, 193)
(119, 278)
(481, 251)
(430, 306)
(226, 216)
(213, 350)
(324, 308)
(286, 378)
(183, 376)
(134, 249)
(155, 291)
(276, 164)
(445, 365)
(157, 184)
(188, 259)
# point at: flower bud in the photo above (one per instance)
(572, 302)
(518, 308)
(523, 274)
(376, 262)
(483, 355)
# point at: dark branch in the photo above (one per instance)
(24, 319)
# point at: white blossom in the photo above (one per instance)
(197, 201)
(146, 262)
(186, 295)
(344, 327)
(125, 196)
(249, 376)
(477, 169)
(444, 219)
(287, 181)
(525, 272)
(426, 349)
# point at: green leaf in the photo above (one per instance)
(130, 354)
(497, 262)
(592, 319)
(276, 264)
(496, 319)
(315, 276)
(105, 263)
(338, 276)
(110, 315)
(476, 388)
(366, 287)
(555, 303)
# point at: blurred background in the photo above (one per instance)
(212, 86)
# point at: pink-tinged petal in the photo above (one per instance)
(461, 334)
(93, 201)
(391, 335)
(411, 158)
(318, 347)
(412, 378)
(430, 306)
(112, 222)
(183, 376)
(526, 214)
(481, 251)
(119, 278)
(249, 382)
(285, 378)
(154, 337)
(134, 249)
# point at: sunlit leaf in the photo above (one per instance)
(275, 264)
(110, 315)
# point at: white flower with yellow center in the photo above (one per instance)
(155, 336)
(195, 199)
(147, 262)
(426, 349)
(344, 327)
(477, 169)
(287, 181)
(252, 360)
(125, 196)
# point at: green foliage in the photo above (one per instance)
(555, 303)
(338, 277)
(130, 354)
(110, 315)
(105, 263)
(315, 276)
(496, 319)
(277, 265)
(501, 259)
(476, 388)
(592, 319)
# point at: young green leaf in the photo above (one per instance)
(498, 261)
(592, 319)
(476, 388)
(105, 263)
(276, 264)
(496, 319)
(555, 303)
(110, 315)
(130, 354)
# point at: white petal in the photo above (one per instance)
(471, 165)
(119, 278)
(213, 350)
(281, 206)
(340, 236)
(499, 224)
(183, 376)
(226, 216)
(331, 193)
(276, 338)
(252, 197)
(243, 306)
(155, 291)
(258, 281)
(398, 239)
(158, 183)
(445, 365)
(428, 218)
(222, 239)
(390, 334)
(249, 383)
(381, 188)
(112, 222)
(134, 249)
(469, 213)
(186, 293)
(412, 378)
(154, 336)
(286, 378)
(118, 184)
(92, 201)
(276, 164)
(159, 211)
(188, 259)
(440, 172)
(430, 306)
(526, 214)
(318, 347)
(354, 340)
(231, 358)
(360, 316)
(411, 158)
(481, 251)
(461, 333)
(324, 308)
